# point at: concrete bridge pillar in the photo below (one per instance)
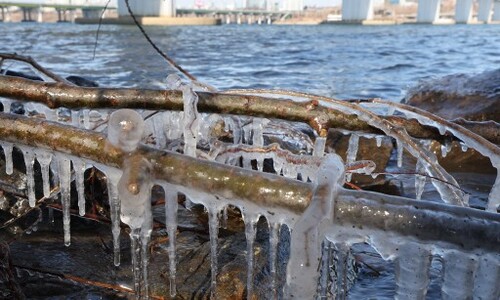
(428, 11)
(484, 13)
(463, 11)
(259, 20)
(496, 11)
(3, 13)
(39, 17)
(150, 8)
(238, 20)
(228, 19)
(250, 19)
(357, 10)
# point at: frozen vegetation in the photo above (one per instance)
(245, 142)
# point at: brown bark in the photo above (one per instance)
(465, 228)
(320, 118)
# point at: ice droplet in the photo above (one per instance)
(125, 129)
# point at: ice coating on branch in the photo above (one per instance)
(352, 152)
(308, 231)
(125, 129)
(487, 277)
(6, 103)
(29, 160)
(64, 171)
(191, 125)
(250, 220)
(86, 118)
(171, 208)
(134, 192)
(412, 271)
(378, 139)
(7, 150)
(44, 158)
(258, 138)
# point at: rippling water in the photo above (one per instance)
(340, 61)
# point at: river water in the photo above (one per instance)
(338, 61)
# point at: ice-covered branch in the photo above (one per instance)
(56, 95)
(463, 228)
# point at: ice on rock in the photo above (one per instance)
(125, 129)
(308, 231)
(44, 158)
(378, 139)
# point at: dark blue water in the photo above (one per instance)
(338, 61)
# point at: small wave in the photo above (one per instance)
(397, 67)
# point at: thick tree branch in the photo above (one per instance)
(465, 228)
(62, 95)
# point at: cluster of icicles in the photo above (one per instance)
(191, 132)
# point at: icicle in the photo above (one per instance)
(134, 192)
(278, 166)
(250, 232)
(80, 166)
(171, 207)
(29, 159)
(247, 134)
(65, 188)
(213, 228)
(306, 233)
(7, 150)
(258, 139)
(86, 118)
(324, 270)
(225, 217)
(419, 179)
(319, 146)
(191, 120)
(274, 237)
(458, 280)
(113, 176)
(444, 150)
(75, 118)
(412, 271)
(352, 151)
(399, 146)
(464, 147)
(44, 158)
(378, 139)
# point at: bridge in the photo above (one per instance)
(428, 11)
(89, 8)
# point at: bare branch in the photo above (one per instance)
(34, 64)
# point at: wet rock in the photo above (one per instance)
(472, 97)
(456, 160)
(367, 150)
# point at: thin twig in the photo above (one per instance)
(158, 50)
(34, 64)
